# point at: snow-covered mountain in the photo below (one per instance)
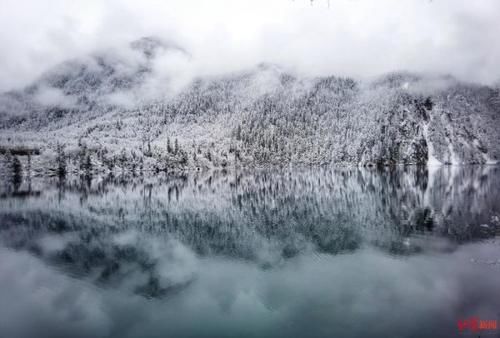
(141, 108)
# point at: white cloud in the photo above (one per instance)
(352, 37)
(49, 96)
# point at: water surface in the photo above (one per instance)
(277, 253)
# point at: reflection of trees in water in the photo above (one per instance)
(262, 216)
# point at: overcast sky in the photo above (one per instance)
(360, 38)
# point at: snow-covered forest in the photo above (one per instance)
(120, 110)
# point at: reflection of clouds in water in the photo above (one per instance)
(174, 263)
(38, 301)
(140, 237)
(305, 253)
(366, 293)
(52, 243)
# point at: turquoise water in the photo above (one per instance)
(270, 253)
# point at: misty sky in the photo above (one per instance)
(360, 38)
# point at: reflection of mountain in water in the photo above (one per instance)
(120, 231)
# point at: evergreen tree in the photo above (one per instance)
(82, 156)
(238, 133)
(88, 165)
(169, 147)
(60, 160)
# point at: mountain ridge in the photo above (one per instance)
(125, 110)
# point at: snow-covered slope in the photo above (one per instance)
(134, 109)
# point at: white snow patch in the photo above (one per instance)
(454, 160)
(432, 161)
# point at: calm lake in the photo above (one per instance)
(273, 253)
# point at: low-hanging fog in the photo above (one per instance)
(358, 38)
